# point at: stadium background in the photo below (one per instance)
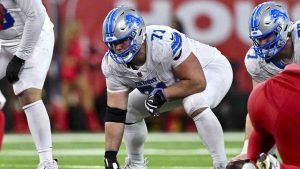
(75, 86)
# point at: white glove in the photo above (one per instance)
(267, 161)
(2, 101)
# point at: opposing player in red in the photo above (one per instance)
(2, 118)
(275, 114)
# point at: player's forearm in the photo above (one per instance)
(248, 130)
(183, 88)
(113, 135)
(248, 127)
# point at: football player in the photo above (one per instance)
(274, 111)
(275, 44)
(27, 40)
(150, 70)
(2, 118)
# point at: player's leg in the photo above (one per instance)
(29, 91)
(4, 59)
(198, 107)
(135, 132)
(2, 127)
(2, 118)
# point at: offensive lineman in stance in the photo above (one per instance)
(153, 69)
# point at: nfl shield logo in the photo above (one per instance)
(139, 74)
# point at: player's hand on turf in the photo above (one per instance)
(111, 164)
(267, 161)
(110, 160)
(154, 101)
(239, 157)
(13, 69)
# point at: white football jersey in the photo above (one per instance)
(260, 70)
(166, 49)
(21, 22)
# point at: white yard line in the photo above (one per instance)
(153, 137)
(100, 152)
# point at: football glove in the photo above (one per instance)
(267, 161)
(13, 69)
(110, 161)
(154, 101)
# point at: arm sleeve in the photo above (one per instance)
(112, 85)
(35, 14)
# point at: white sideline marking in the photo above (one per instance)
(96, 166)
(100, 152)
(99, 137)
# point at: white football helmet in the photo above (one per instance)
(269, 18)
(123, 23)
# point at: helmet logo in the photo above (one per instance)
(276, 14)
(131, 20)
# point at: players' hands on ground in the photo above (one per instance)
(239, 157)
(241, 164)
(111, 164)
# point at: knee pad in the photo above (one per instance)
(115, 115)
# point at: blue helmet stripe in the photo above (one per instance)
(254, 17)
(110, 20)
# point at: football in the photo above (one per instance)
(241, 164)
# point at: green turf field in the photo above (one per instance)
(85, 151)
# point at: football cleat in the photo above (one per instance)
(48, 164)
(267, 161)
(130, 164)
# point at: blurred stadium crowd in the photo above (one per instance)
(75, 87)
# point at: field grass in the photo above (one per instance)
(85, 151)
